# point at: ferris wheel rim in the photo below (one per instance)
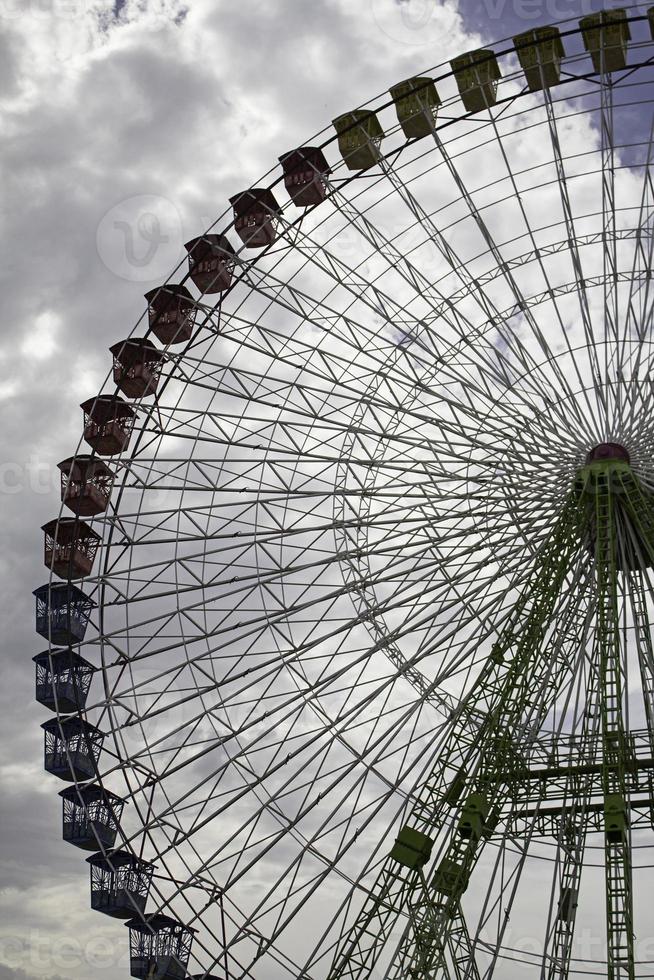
(178, 359)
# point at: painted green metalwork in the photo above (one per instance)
(516, 664)
(485, 777)
(412, 848)
(612, 498)
(416, 103)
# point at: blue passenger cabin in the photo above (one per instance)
(91, 816)
(72, 748)
(160, 948)
(120, 884)
(63, 679)
(62, 613)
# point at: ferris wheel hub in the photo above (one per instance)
(608, 450)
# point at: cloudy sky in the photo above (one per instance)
(111, 111)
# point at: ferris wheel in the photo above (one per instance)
(350, 662)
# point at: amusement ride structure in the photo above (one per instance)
(350, 666)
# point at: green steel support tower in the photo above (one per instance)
(495, 745)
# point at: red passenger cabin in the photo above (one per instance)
(70, 547)
(171, 313)
(137, 366)
(305, 170)
(255, 216)
(86, 483)
(211, 262)
(108, 422)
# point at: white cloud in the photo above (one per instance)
(40, 343)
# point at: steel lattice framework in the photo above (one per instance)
(371, 646)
